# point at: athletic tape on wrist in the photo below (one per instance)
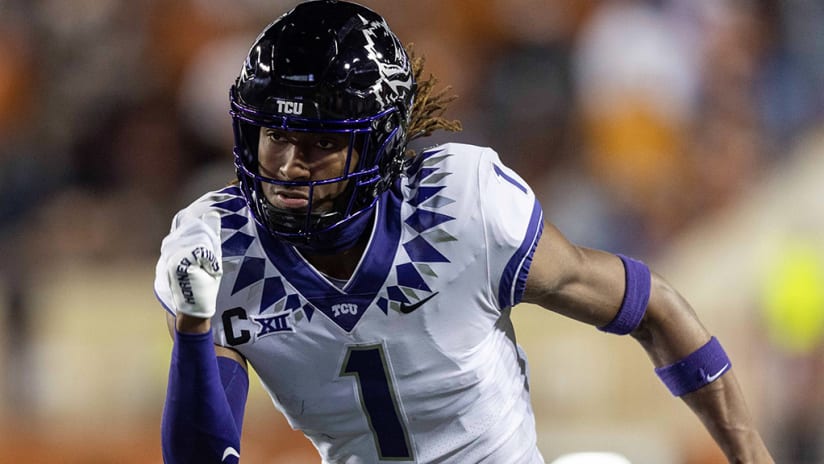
(701, 367)
(636, 298)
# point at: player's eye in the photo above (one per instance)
(277, 136)
(327, 144)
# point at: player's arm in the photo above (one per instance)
(194, 325)
(620, 295)
(208, 385)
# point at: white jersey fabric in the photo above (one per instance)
(414, 358)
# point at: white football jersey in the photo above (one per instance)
(414, 357)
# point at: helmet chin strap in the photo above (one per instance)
(339, 238)
(327, 241)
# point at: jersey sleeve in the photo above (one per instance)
(513, 222)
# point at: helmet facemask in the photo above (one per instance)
(365, 179)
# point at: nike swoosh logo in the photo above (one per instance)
(710, 378)
(229, 451)
(408, 308)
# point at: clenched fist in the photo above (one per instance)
(194, 267)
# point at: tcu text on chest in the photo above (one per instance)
(344, 308)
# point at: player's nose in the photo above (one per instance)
(294, 165)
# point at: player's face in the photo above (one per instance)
(303, 156)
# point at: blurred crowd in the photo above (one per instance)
(632, 119)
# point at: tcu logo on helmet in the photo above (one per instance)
(289, 107)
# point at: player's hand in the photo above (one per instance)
(195, 268)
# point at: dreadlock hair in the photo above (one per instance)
(430, 104)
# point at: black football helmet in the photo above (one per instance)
(325, 67)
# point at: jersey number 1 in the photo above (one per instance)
(367, 363)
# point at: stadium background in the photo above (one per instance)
(685, 132)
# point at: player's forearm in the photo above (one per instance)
(670, 330)
(721, 408)
(205, 398)
(696, 368)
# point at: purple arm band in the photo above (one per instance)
(701, 367)
(205, 399)
(636, 297)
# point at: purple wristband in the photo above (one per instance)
(701, 367)
(636, 297)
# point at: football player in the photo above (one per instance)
(372, 290)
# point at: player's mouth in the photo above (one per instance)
(290, 199)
